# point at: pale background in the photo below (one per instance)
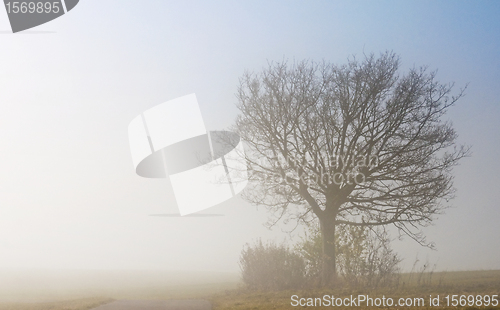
(69, 197)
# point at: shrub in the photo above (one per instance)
(271, 267)
(363, 256)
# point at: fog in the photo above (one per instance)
(69, 196)
(54, 285)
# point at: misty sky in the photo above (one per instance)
(69, 197)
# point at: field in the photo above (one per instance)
(414, 285)
(76, 304)
(83, 290)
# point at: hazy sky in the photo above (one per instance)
(69, 197)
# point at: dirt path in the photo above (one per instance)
(186, 304)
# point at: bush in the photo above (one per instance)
(271, 267)
(363, 256)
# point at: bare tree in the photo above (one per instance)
(355, 144)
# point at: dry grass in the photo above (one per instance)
(411, 285)
(75, 292)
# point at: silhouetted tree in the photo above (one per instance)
(355, 144)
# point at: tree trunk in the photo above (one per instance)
(329, 268)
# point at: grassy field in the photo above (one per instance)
(84, 290)
(414, 285)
